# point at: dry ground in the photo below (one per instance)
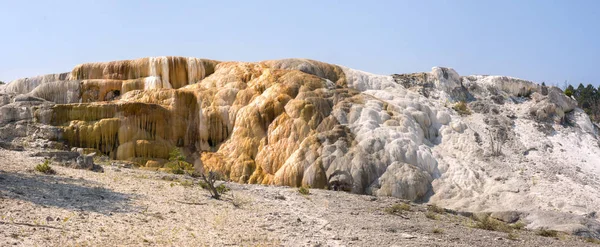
(130, 207)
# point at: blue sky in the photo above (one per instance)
(539, 40)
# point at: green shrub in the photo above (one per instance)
(569, 92)
(45, 167)
(512, 236)
(304, 190)
(461, 108)
(177, 163)
(221, 189)
(397, 208)
(518, 226)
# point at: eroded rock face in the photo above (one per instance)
(26, 85)
(292, 122)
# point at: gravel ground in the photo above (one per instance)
(131, 207)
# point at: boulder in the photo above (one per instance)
(85, 162)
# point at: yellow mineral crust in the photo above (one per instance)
(294, 122)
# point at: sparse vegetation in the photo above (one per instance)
(431, 215)
(461, 108)
(222, 189)
(512, 236)
(45, 167)
(177, 163)
(209, 183)
(547, 233)
(592, 240)
(397, 208)
(437, 231)
(435, 209)
(186, 183)
(1, 83)
(303, 190)
(203, 185)
(519, 225)
(491, 224)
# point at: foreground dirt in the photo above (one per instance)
(130, 207)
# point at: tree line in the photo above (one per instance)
(588, 99)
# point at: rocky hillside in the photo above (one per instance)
(474, 143)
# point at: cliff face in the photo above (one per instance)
(301, 122)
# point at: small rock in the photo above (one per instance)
(49, 218)
(104, 158)
(85, 162)
(354, 239)
(407, 236)
(498, 238)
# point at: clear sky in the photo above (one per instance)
(539, 40)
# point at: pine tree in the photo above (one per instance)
(577, 93)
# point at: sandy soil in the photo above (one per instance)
(130, 207)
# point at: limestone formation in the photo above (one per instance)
(299, 122)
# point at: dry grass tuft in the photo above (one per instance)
(547, 233)
(304, 190)
(491, 224)
(431, 215)
(397, 208)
